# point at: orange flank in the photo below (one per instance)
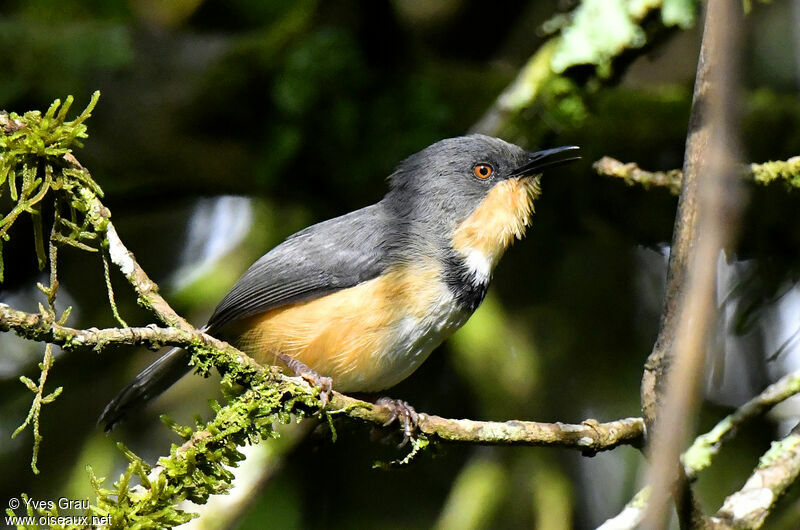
(367, 337)
(502, 216)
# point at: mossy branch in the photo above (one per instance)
(705, 447)
(783, 456)
(39, 399)
(589, 436)
(32, 147)
(32, 151)
(632, 174)
(777, 470)
(785, 171)
(199, 467)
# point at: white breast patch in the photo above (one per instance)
(479, 265)
(416, 338)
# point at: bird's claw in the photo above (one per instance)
(300, 369)
(403, 413)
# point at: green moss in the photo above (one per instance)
(199, 466)
(778, 450)
(787, 171)
(600, 30)
(682, 13)
(32, 165)
(699, 455)
(419, 444)
(40, 399)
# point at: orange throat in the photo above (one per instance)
(501, 217)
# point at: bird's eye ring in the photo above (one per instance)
(483, 170)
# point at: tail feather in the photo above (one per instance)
(151, 382)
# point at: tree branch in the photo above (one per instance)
(579, 44)
(786, 171)
(147, 290)
(776, 471)
(706, 446)
(707, 211)
(589, 436)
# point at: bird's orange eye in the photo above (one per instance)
(483, 171)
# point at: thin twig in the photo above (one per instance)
(147, 290)
(38, 400)
(705, 447)
(110, 291)
(632, 174)
(786, 171)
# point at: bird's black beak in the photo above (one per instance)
(544, 159)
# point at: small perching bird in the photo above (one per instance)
(364, 298)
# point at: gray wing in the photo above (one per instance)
(323, 258)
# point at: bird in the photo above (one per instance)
(358, 302)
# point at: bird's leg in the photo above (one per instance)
(402, 412)
(325, 384)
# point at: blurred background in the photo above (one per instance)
(225, 126)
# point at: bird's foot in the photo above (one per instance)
(301, 369)
(403, 413)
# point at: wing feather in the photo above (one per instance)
(322, 259)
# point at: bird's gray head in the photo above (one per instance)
(454, 180)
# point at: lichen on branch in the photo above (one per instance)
(776, 472)
(599, 30)
(786, 171)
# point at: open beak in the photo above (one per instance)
(541, 160)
